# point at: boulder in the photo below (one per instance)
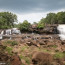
(41, 58)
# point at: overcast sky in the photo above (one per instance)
(32, 10)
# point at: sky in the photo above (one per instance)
(32, 10)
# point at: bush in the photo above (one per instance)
(40, 25)
(24, 26)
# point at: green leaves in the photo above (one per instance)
(7, 19)
(24, 26)
(61, 17)
(55, 18)
(40, 25)
(51, 18)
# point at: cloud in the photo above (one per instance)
(32, 10)
(32, 17)
(29, 6)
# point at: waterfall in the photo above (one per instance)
(61, 29)
(1, 35)
(15, 31)
(8, 32)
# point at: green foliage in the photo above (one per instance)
(61, 17)
(43, 20)
(12, 43)
(7, 20)
(24, 26)
(35, 23)
(16, 25)
(53, 18)
(40, 25)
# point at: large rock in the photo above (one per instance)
(40, 58)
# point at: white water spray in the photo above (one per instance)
(61, 29)
(1, 35)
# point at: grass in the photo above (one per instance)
(26, 59)
(44, 50)
(24, 47)
(12, 43)
(59, 55)
(9, 50)
(54, 46)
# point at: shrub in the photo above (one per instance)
(24, 26)
(40, 25)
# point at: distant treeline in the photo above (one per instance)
(7, 20)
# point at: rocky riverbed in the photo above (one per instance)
(33, 49)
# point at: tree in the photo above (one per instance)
(35, 23)
(43, 20)
(61, 17)
(51, 18)
(7, 19)
(24, 26)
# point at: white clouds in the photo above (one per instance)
(35, 17)
(31, 17)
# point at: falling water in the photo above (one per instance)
(61, 29)
(1, 35)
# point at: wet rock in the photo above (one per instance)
(63, 42)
